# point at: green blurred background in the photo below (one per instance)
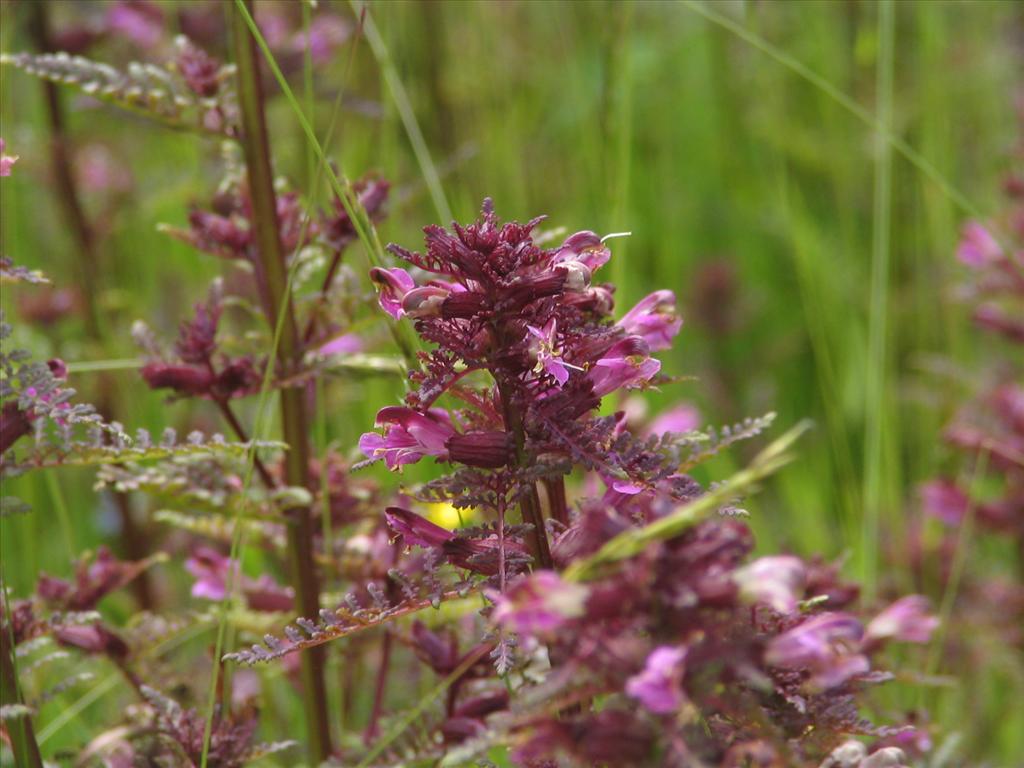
(748, 190)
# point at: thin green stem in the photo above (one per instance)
(878, 326)
(405, 110)
(61, 505)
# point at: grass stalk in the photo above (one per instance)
(878, 325)
(19, 729)
(294, 419)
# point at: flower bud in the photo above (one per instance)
(489, 450)
(425, 301)
(577, 275)
(463, 304)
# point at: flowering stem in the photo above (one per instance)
(256, 146)
(555, 486)
(529, 504)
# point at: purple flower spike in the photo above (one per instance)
(544, 349)
(775, 581)
(908, 619)
(654, 319)
(394, 284)
(409, 437)
(539, 603)
(659, 686)
(626, 364)
(977, 247)
(827, 645)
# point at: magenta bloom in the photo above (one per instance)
(539, 603)
(141, 21)
(6, 161)
(775, 581)
(346, 344)
(654, 319)
(909, 619)
(678, 420)
(394, 284)
(544, 348)
(409, 436)
(944, 500)
(585, 248)
(828, 645)
(626, 364)
(977, 247)
(210, 569)
(659, 686)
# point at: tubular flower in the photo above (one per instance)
(827, 644)
(977, 247)
(409, 436)
(908, 619)
(394, 284)
(654, 319)
(659, 686)
(540, 603)
(626, 364)
(774, 581)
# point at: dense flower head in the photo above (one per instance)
(493, 301)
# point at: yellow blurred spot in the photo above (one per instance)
(447, 516)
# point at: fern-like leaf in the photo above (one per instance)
(155, 92)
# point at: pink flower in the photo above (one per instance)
(626, 364)
(659, 686)
(678, 420)
(6, 161)
(942, 499)
(654, 319)
(775, 581)
(544, 349)
(394, 284)
(346, 344)
(908, 619)
(139, 20)
(977, 247)
(409, 436)
(327, 31)
(210, 569)
(539, 603)
(585, 248)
